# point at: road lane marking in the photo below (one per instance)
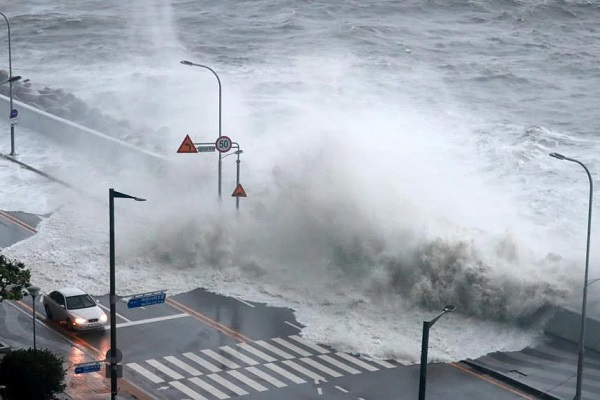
(358, 362)
(238, 355)
(266, 377)
(209, 388)
(151, 320)
(224, 361)
(341, 389)
(303, 370)
(256, 352)
(188, 392)
(321, 367)
(274, 349)
(383, 363)
(493, 382)
(17, 222)
(186, 367)
(245, 302)
(234, 388)
(250, 382)
(339, 364)
(292, 325)
(164, 369)
(292, 347)
(285, 373)
(203, 362)
(309, 344)
(144, 372)
(117, 314)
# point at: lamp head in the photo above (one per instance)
(557, 156)
(33, 290)
(449, 308)
(184, 62)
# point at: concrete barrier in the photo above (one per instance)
(566, 324)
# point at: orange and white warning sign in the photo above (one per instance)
(239, 191)
(187, 146)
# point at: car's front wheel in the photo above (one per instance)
(48, 313)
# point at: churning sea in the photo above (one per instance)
(395, 159)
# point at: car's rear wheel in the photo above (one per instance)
(70, 324)
(48, 313)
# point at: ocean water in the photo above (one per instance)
(395, 159)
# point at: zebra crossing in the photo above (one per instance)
(232, 371)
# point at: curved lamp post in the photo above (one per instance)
(10, 91)
(220, 102)
(113, 296)
(424, 348)
(585, 281)
(33, 292)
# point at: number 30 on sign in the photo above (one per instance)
(223, 144)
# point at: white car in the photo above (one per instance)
(74, 307)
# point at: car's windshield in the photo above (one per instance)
(81, 301)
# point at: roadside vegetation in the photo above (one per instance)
(14, 277)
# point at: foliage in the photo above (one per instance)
(13, 278)
(32, 374)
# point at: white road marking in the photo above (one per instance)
(339, 364)
(309, 344)
(303, 370)
(274, 349)
(285, 373)
(186, 367)
(203, 362)
(256, 352)
(319, 391)
(238, 355)
(292, 325)
(321, 367)
(234, 388)
(266, 377)
(164, 369)
(341, 389)
(246, 303)
(209, 388)
(292, 347)
(224, 361)
(250, 382)
(189, 392)
(117, 314)
(358, 362)
(383, 363)
(151, 320)
(143, 371)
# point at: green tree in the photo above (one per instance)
(32, 374)
(13, 278)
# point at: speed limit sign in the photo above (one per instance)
(223, 144)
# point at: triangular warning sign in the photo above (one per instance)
(187, 146)
(239, 191)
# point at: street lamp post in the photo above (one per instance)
(237, 172)
(33, 292)
(220, 103)
(424, 349)
(585, 280)
(10, 91)
(112, 194)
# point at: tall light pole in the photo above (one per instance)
(33, 292)
(113, 296)
(585, 280)
(425, 348)
(220, 103)
(10, 92)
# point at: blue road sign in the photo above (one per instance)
(147, 299)
(14, 113)
(85, 368)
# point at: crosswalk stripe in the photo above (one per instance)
(256, 352)
(292, 347)
(234, 388)
(224, 361)
(383, 363)
(358, 362)
(285, 373)
(303, 370)
(339, 364)
(187, 368)
(313, 346)
(238, 355)
(274, 349)
(203, 362)
(188, 392)
(266, 377)
(164, 369)
(250, 382)
(143, 371)
(209, 388)
(321, 367)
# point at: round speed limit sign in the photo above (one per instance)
(223, 144)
